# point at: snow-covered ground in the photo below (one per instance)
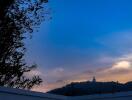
(114, 96)
(17, 94)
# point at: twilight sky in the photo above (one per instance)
(84, 38)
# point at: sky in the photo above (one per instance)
(84, 38)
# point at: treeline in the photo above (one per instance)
(88, 88)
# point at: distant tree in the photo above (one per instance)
(18, 17)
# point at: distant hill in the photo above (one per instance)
(88, 88)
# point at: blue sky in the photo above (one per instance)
(82, 36)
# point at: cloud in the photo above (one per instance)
(119, 69)
(34, 72)
(123, 62)
(58, 70)
(122, 65)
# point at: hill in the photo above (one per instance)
(88, 88)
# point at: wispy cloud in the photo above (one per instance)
(119, 70)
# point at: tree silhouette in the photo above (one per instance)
(18, 17)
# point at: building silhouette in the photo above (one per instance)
(94, 79)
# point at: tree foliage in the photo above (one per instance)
(18, 17)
